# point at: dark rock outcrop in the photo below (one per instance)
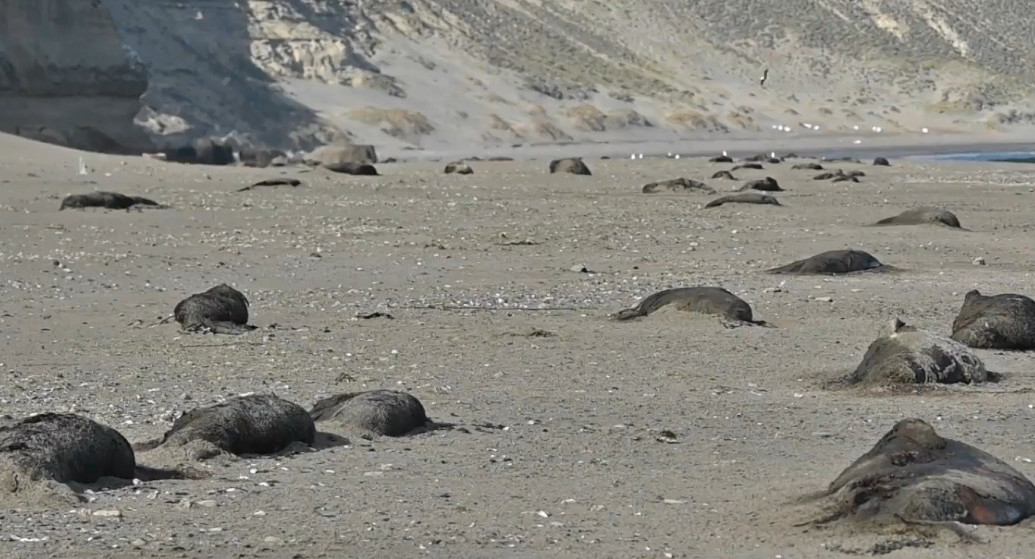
(338, 154)
(221, 310)
(374, 412)
(1005, 321)
(913, 475)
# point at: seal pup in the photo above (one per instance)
(1005, 321)
(915, 476)
(573, 165)
(833, 262)
(252, 424)
(767, 184)
(881, 162)
(388, 413)
(221, 310)
(41, 451)
(705, 300)
(724, 175)
(744, 198)
(458, 168)
(903, 354)
(677, 185)
(923, 215)
(109, 200)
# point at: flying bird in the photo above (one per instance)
(765, 75)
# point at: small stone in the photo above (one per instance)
(184, 504)
(273, 539)
(138, 543)
(979, 261)
(825, 299)
(110, 513)
(207, 503)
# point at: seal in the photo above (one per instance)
(881, 162)
(677, 185)
(573, 165)
(903, 354)
(744, 198)
(221, 310)
(63, 448)
(721, 159)
(705, 300)
(458, 168)
(756, 166)
(271, 182)
(833, 262)
(352, 168)
(807, 166)
(767, 184)
(921, 216)
(253, 424)
(915, 476)
(109, 200)
(724, 175)
(375, 412)
(1005, 321)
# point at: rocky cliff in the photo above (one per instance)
(67, 78)
(441, 74)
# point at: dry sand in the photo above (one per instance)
(561, 456)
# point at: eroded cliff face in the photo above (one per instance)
(67, 78)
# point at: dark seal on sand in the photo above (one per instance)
(721, 159)
(379, 412)
(881, 162)
(458, 168)
(1005, 321)
(61, 447)
(724, 175)
(833, 262)
(222, 310)
(924, 215)
(677, 185)
(907, 355)
(756, 166)
(914, 476)
(767, 184)
(270, 182)
(573, 165)
(808, 166)
(744, 198)
(352, 168)
(109, 200)
(254, 424)
(705, 300)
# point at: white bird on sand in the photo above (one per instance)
(677, 156)
(632, 156)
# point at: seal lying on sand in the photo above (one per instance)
(744, 198)
(724, 175)
(915, 476)
(705, 300)
(222, 310)
(459, 168)
(833, 262)
(677, 185)
(767, 184)
(1005, 321)
(62, 448)
(839, 175)
(907, 355)
(755, 166)
(352, 168)
(881, 162)
(254, 424)
(375, 412)
(808, 166)
(919, 216)
(573, 165)
(721, 159)
(109, 200)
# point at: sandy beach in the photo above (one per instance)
(499, 285)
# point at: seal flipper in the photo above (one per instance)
(227, 327)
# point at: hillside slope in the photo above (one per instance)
(439, 74)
